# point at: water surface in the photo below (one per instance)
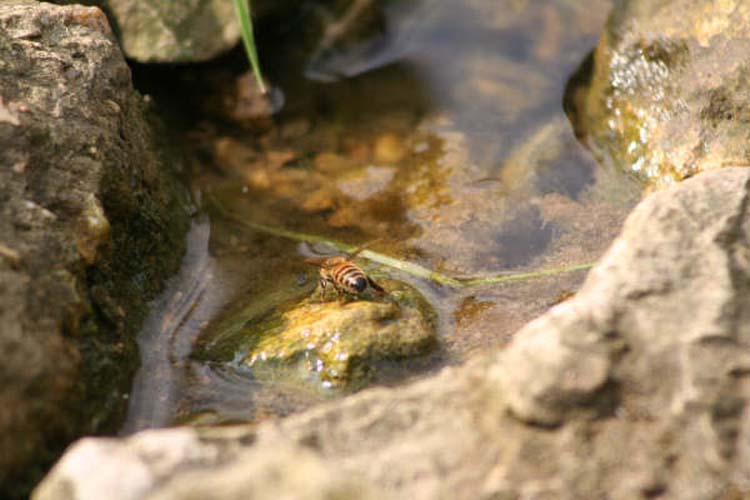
(442, 136)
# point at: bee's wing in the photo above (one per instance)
(362, 247)
(316, 260)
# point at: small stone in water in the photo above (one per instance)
(330, 162)
(421, 147)
(295, 129)
(389, 149)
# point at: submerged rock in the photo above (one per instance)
(333, 343)
(246, 104)
(634, 388)
(668, 96)
(91, 223)
(451, 159)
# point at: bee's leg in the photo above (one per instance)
(340, 295)
(322, 287)
(375, 286)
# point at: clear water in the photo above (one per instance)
(443, 136)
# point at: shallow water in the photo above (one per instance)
(445, 140)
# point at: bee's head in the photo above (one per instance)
(359, 284)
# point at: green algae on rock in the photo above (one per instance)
(333, 344)
(668, 94)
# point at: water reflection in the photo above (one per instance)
(484, 82)
(165, 340)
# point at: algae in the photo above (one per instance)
(328, 344)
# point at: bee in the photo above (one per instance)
(343, 275)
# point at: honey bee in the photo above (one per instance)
(343, 275)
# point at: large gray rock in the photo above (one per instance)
(636, 388)
(90, 226)
(146, 467)
(668, 95)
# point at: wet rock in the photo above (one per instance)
(668, 95)
(340, 188)
(240, 100)
(340, 342)
(248, 105)
(389, 149)
(91, 223)
(636, 387)
(334, 343)
(330, 163)
(366, 183)
(295, 129)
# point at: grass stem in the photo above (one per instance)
(248, 39)
(394, 263)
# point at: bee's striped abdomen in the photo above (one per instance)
(349, 278)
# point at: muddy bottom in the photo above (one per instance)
(445, 144)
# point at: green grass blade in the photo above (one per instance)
(248, 39)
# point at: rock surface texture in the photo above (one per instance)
(158, 31)
(174, 31)
(668, 95)
(331, 343)
(90, 226)
(638, 387)
(338, 343)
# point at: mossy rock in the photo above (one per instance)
(667, 95)
(329, 344)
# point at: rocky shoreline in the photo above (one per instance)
(636, 387)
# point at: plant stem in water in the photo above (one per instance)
(394, 263)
